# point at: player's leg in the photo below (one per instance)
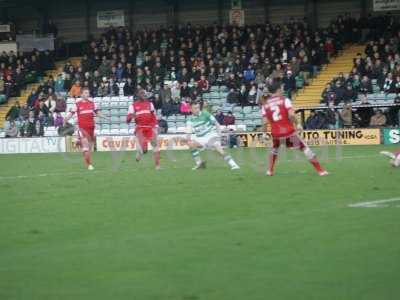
(394, 157)
(86, 140)
(309, 154)
(273, 156)
(396, 160)
(139, 138)
(156, 148)
(195, 147)
(388, 154)
(215, 142)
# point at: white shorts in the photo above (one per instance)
(209, 140)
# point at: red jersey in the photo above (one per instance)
(144, 114)
(85, 110)
(276, 110)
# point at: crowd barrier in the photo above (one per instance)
(178, 141)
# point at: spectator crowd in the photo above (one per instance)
(177, 65)
(377, 71)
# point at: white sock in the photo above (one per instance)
(397, 161)
(230, 161)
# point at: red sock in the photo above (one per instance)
(316, 165)
(88, 157)
(272, 160)
(157, 158)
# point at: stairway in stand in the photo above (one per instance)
(4, 108)
(311, 95)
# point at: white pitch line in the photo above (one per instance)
(375, 203)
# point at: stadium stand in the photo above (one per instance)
(225, 67)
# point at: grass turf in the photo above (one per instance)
(126, 231)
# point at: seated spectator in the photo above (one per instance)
(393, 113)
(313, 121)
(58, 120)
(365, 86)
(59, 84)
(229, 119)
(378, 119)
(61, 105)
(220, 117)
(364, 114)
(163, 125)
(185, 107)
(30, 129)
(252, 96)
(24, 112)
(75, 90)
(233, 97)
(129, 88)
(389, 85)
(289, 83)
(11, 130)
(203, 84)
(339, 91)
(329, 95)
(13, 113)
(349, 94)
(249, 74)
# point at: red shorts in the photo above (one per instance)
(145, 134)
(86, 133)
(293, 141)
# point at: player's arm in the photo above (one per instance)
(292, 115)
(154, 115)
(131, 114)
(214, 121)
(70, 114)
(99, 114)
(264, 118)
(189, 130)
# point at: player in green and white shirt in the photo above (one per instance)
(205, 132)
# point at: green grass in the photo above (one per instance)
(126, 231)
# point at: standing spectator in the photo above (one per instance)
(75, 90)
(331, 116)
(378, 119)
(346, 116)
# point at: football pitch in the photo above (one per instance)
(126, 231)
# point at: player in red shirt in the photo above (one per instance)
(278, 111)
(86, 111)
(146, 130)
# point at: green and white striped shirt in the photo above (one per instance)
(202, 124)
